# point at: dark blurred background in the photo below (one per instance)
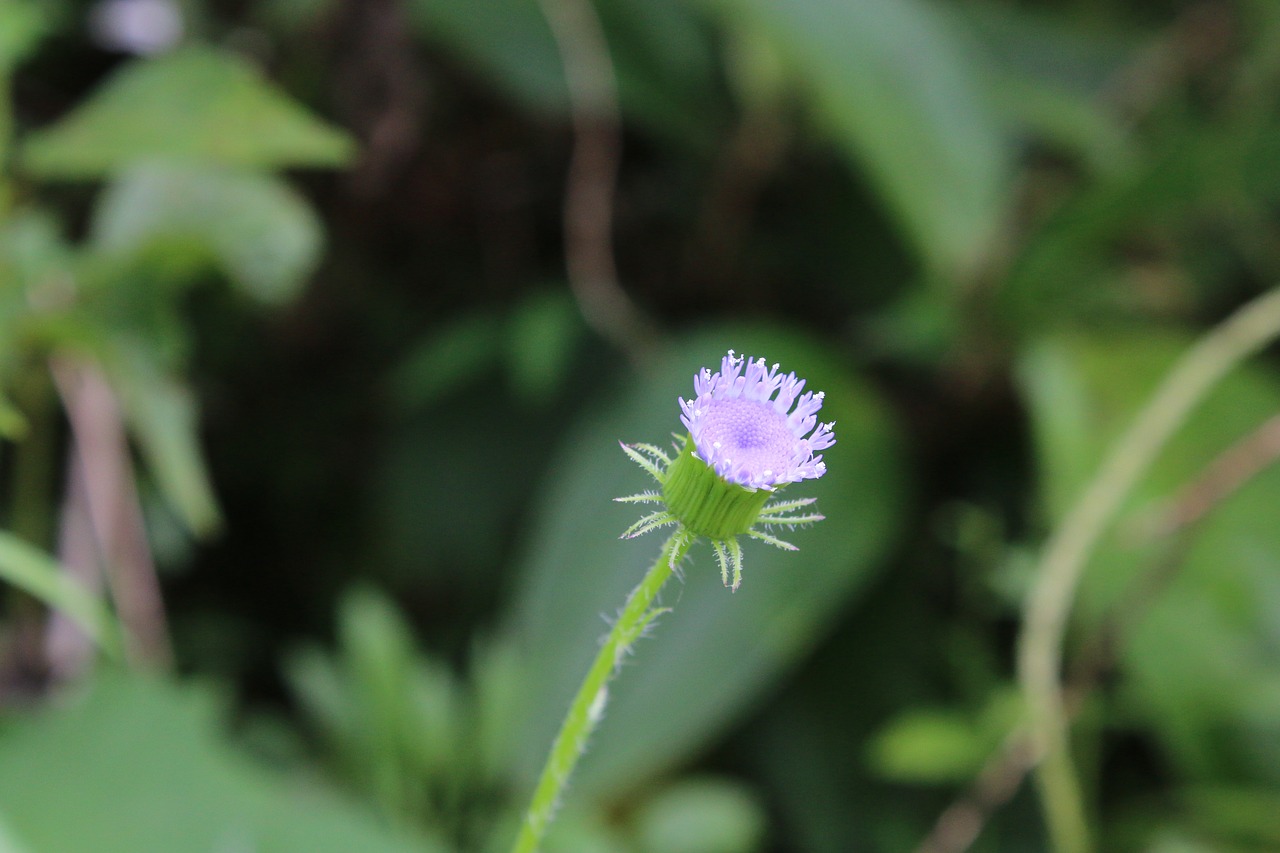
(320, 321)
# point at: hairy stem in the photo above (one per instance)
(588, 705)
(1065, 555)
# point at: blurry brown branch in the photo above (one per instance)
(381, 91)
(102, 519)
(960, 823)
(1199, 38)
(68, 649)
(593, 175)
(1222, 478)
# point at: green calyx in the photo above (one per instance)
(701, 504)
(706, 504)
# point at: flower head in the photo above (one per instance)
(743, 444)
(753, 427)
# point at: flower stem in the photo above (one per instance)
(1068, 550)
(588, 705)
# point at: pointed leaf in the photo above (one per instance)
(195, 104)
(262, 234)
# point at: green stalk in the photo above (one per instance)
(588, 705)
(1068, 551)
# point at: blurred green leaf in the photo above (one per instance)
(393, 716)
(541, 338)
(446, 359)
(195, 104)
(12, 424)
(7, 842)
(534, 345)
(667, 68)
(717, 652)
(32, 247)
(929, 747)
(508, 41)
(704, 815)
(22, 25)
(1129, 243)
(573, 833)
(319, 687)
(163, 417)
(1071, 122)
(495, 705)
(901, 93)
(1240, 815)
(35, 273)
(1174, 841)
(378, 651)
(1197, 617)
(141, 767)
(39, 575)
(1050, 77)
(262, 234)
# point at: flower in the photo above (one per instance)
(744, 443)
(746, 434)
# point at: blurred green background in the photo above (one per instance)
(310, 402)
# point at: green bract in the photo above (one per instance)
(704, 502)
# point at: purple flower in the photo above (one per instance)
(750, 431)
(753, 427)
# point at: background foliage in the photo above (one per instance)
(310, 417)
